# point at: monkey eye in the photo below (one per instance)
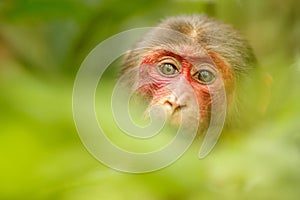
(205, 76)
(168, 69)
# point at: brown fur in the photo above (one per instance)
(222, 43)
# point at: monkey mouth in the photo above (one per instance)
(173, 113)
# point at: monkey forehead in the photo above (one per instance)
(171, 40)
(194, 58)
(184, 50)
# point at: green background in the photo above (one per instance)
(42, 44)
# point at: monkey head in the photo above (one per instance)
(185, 63)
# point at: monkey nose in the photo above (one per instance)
(173, 105)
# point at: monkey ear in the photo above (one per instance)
(254, 95)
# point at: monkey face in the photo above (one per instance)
(183, 85)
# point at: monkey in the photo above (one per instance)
(196, 56)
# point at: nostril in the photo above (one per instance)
(178, 108)
(173, 105)
(169, 104)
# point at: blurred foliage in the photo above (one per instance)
(43, 42)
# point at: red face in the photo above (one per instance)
(174, 81)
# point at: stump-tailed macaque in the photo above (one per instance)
(189, 52)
